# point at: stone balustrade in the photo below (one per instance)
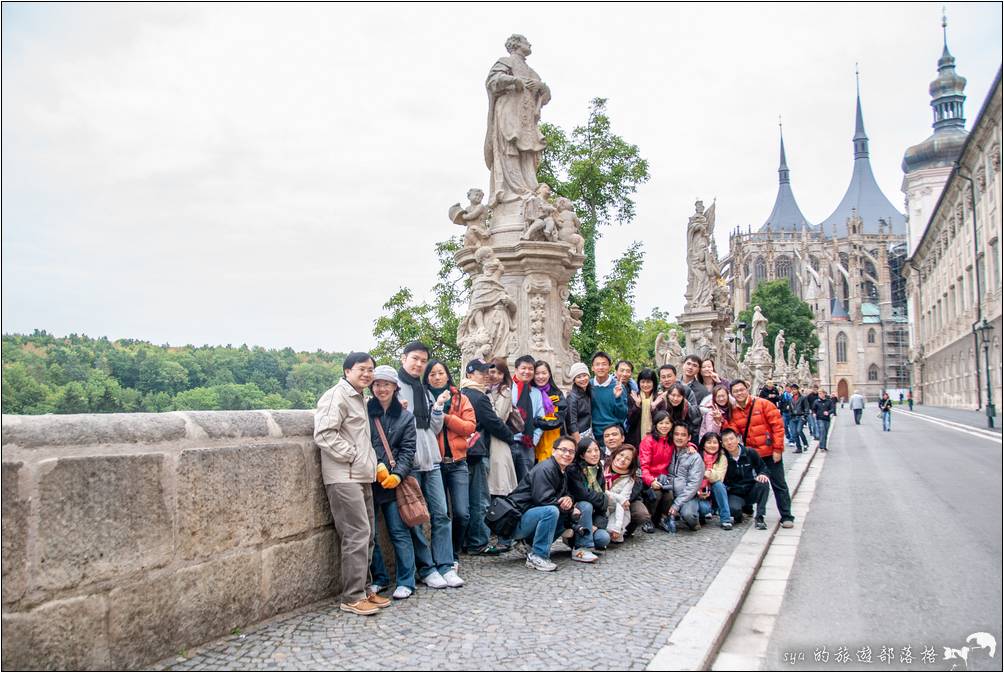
(128, 538)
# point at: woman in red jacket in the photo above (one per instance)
(654, 455)
(459, 424)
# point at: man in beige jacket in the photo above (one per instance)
(348, 467)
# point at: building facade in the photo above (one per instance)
(954, 271)
(848, 268)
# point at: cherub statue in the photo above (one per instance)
(568, 224)
(667, 349)
(474, 217)
(539, 215)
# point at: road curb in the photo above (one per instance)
(699, 635)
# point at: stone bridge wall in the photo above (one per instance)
(130, 537)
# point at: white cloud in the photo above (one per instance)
(272, 173)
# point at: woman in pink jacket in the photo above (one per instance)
(654, 455)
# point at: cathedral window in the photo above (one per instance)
(841, 347)
(873, 373)
(871, 336)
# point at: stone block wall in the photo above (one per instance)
(130, 537)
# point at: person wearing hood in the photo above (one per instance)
(459, 424)
(391, 422)
(489, 428)
(428, 412)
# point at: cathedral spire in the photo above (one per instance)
(782, 170)
(860, 137)
(948, 90)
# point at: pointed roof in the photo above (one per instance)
(863, 194)
(948, 97)
(786, 215)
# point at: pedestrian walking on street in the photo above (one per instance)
(811, 416)
(348, 467)
(759, 423)
(857, 406)
(824, 409)
(909, 399)
(885, 405)
(799, 410)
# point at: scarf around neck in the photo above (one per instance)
(545, 393)
(421, 410)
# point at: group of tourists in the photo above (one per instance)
(508, 461)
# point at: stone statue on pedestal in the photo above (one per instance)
(490, 321)
(569, 225)
(513, 142)
(758, 329)
(779, 347)
(792, 360)
(475, 218)
(804, 373)
(668, 350)
(702, 273)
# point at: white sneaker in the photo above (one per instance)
(537, 563)
(453, 579)
(456, 566)
(435, 581)
(401, 593)
(584, 555)
(376, 588)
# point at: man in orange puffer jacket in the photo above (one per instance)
(766, 437)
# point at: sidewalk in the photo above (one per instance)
(507, 616)
(976, 419)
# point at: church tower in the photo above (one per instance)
(926, 166)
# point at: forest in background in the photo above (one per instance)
(77, 374)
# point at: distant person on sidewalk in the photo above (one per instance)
(759, 423)
(348, 467)
(799, 410)
(746, 480)
(810, 417)
(857, 406)
(770, 392)
(909, 399)
(885, 405)
(824, 409)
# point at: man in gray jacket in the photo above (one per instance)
(686, 472)
(429, 423)
(348, 468)
(857, 406)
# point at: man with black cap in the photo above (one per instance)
(477, 539)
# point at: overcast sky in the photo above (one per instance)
(271, 174)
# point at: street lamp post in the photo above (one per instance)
(985, 329)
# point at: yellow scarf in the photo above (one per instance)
(646, 414)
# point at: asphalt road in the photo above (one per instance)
(901, 548)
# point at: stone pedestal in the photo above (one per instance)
(536, 276)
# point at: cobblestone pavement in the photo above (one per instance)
(506, 616)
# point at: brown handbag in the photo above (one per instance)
(410, 502)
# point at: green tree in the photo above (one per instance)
(21, 392)
(617, 332)
(600, 172)
(434, 323)
(784, 310)
(200, 399)
(72, 399)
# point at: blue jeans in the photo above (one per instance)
(404, 549)
(456, 480)
(796, 433)
(824, 431)
(541, 524)
(439, 556)
(721, 497)
(887, 421)
(522, 460)
(590, 539)
(813, 426)
(477, 534)
(786, 416)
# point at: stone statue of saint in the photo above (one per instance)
(702, 271)
(513, 142)
(668, 350)
(792, 359)
(492, 313)
(758, 329)
(779, 347)
(804, 373)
